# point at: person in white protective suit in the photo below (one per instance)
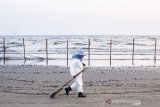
(75, 67)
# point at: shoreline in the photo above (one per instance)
(31, 85)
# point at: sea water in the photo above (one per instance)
(121, 51)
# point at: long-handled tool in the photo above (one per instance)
(59, 89)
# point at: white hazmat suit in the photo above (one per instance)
(75, 67)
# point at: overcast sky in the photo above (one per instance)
(79, 17)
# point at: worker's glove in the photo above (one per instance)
(74, 77)
(83, 64)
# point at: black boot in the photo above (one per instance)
(80, 94)
(68, 89)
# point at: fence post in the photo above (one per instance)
(24, 51)
(155, 52)
(133, 53)
(110, 52)
(88, 52)
(67, 52)
(46, 51)
(4, 52)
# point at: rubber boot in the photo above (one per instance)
(68, 89)
(80, 94)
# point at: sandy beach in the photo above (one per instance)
(30, 86)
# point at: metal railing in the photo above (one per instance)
(67, 53)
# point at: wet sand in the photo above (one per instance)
(30, 86)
